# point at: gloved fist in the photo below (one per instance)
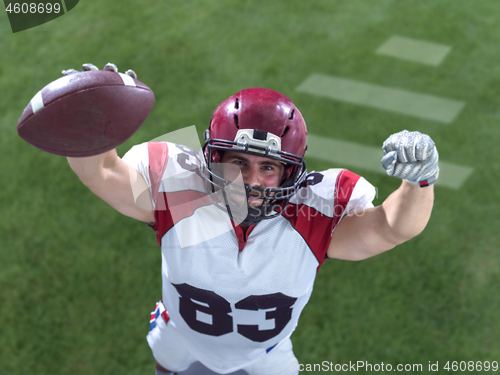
(411, 156)
(109, 66)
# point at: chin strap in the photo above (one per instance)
(253, 217)
(256, 215)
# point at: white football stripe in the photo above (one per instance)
(127, 80)
(37, 102)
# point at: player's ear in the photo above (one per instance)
(217, 156)
(287, 173)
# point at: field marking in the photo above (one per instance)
(394, 100)
(351, 154)
(414, 50)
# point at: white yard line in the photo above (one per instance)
(390, 99)
(349, 155)
(414, 50)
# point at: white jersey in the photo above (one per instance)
(232, 297)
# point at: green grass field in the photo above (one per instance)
(78, 280)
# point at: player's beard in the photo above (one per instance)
(253, 200)
(247, 207)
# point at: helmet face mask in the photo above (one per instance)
(263, 123)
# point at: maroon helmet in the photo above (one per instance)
(259, 122)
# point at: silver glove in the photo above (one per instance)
(411, 156)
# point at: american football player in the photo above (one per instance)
(234, 285)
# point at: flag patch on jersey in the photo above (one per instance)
(159, 310)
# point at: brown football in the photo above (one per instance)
(86, 113)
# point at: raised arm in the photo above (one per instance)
(405, 213)
(117, 183)
(84, 113)
(402, 216)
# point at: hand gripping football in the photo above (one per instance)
(86, 113)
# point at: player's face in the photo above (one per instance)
(257, 171)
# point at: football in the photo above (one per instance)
(86, 113)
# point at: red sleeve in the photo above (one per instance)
(182, 203)
(158, 159)
(317, 228)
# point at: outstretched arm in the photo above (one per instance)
(117, 183)
(405, 213)
(402, 216)
(112, 179)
